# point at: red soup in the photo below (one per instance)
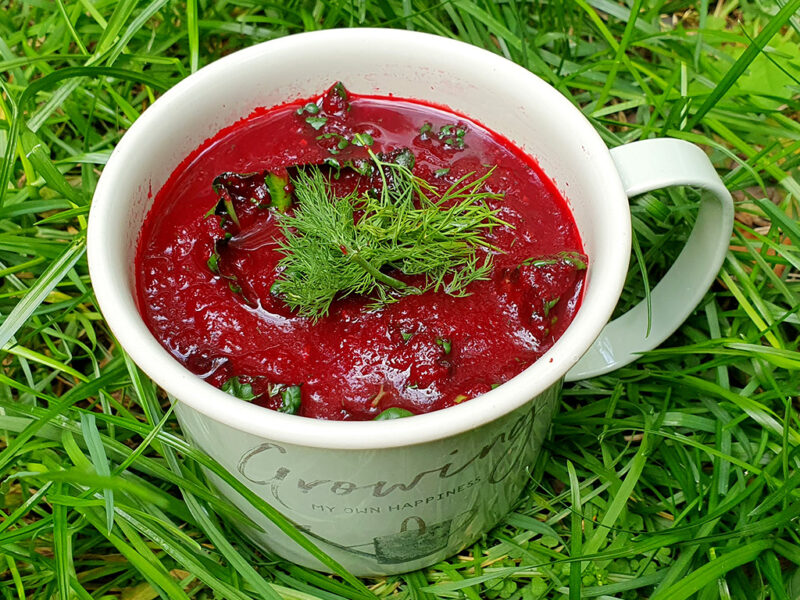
(356, 257)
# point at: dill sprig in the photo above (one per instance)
(338, 246)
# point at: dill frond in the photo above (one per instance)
(339, 246)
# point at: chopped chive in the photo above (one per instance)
(213, 263)
(549, 304)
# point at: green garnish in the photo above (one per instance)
(316, 122)
(441, 172)
(213, 263)
(339, 89)
(445, 344)
(406, 226)
(235, 387)
(359, 165)
(276, 186)
(290, 400)
(452, 136)
(403, 157)
(341, 145)
(224, 206)
(362, 139)
(213, 266)
(310, 108)
(549, 305)
(407, 335)
(393, 413)
(574, 259)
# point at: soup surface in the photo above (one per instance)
(208, 261)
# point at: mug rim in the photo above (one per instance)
(183, 386)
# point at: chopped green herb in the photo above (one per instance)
(290, 400)
(339, 89)
(362, 139)
(213, 263)
(224, 206)
(276, 186)
(343, 141)
(359, 165)
(441, 172)
(548, 305)
(407, 335)
(574, 259)
(316, 122)
(310, 108)
(404, 158)
(393, 413)
(235, 387)
(230, 210)
(213, 266)
(452, 136)
(445, 344)
(459, 399)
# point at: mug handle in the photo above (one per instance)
(649, 165)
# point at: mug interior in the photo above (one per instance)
(489, 89)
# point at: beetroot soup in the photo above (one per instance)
(356, 257)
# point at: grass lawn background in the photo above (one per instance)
(676, 477)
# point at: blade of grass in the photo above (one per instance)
(709, 572)
(99, 462)
(576, 533)
(748, 56)
(41, 289)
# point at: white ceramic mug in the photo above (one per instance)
(392, 496)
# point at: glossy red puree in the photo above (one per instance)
(422, 353)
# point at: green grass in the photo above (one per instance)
(676, 477)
